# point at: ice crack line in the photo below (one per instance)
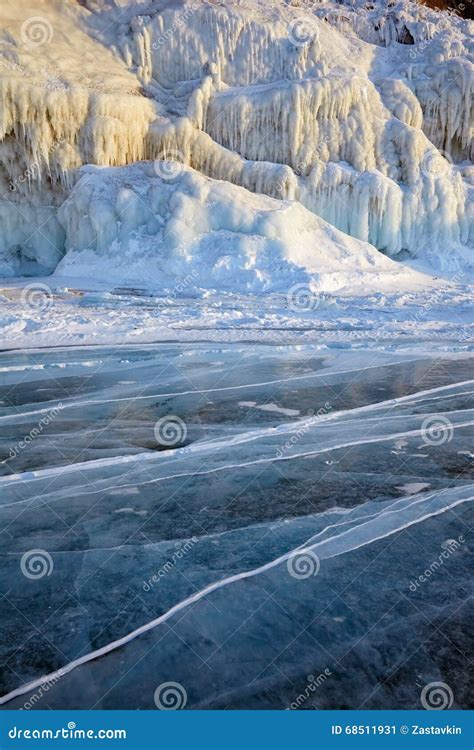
(218, 585)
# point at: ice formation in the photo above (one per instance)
(364, 117)
(130, 223)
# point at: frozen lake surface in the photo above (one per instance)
(164, 490)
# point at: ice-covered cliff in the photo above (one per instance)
(362, 115)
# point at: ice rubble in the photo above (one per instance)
(282, 101)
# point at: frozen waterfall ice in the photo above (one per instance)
(331, 107)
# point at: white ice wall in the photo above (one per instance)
(331, 101)
(272, 98)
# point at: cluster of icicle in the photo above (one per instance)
(296, 121)
(243, 99)
(381, 22)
